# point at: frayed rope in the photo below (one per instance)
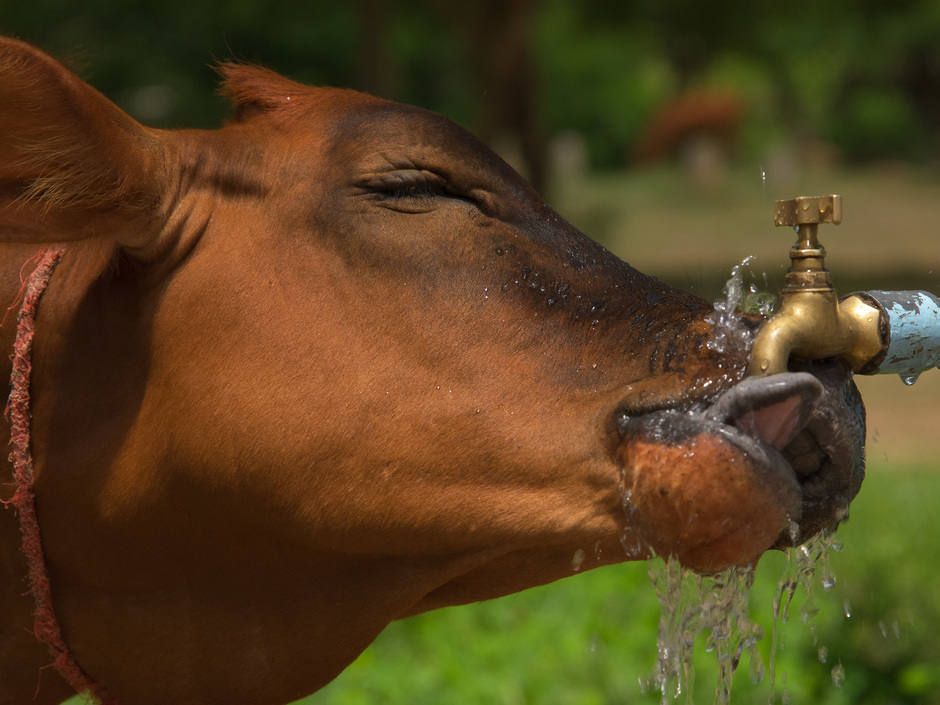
(45, 627)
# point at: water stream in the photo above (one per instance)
(716, 608)
(802, 565)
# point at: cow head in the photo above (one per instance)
(336, 363)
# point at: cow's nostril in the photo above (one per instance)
(775, 424)
(805, 455)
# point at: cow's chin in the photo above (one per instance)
(769, 464)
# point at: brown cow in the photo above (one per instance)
(335, 364)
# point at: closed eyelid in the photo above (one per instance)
(403, 178)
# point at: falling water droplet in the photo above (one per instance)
(909, 379)
(793, 529)
(838, 675)
(577, 560)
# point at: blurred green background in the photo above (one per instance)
(665, 130)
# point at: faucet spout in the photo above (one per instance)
(814, 325)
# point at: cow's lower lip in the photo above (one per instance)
(828, 455)
(822, 446)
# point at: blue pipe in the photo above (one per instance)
(911, 326)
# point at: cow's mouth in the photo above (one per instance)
(770, 463)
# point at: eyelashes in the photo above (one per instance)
(416, 191)
(413, 190)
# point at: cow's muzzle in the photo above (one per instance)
(770, 463)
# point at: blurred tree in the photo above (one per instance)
(863, 75)
(377, 72)
(497, 33)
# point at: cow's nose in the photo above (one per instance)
(771, 409)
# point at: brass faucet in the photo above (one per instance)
(813, 324)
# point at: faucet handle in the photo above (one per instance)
(808, 257)
(807, 210)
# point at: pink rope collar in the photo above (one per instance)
(46, 627)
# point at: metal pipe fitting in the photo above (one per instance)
(910, 323)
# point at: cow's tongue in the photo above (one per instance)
(773, 409)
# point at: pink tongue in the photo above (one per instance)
(776, 424)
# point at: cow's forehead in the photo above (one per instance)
(255, 91)
(345, 129)
(372, 125)
(353, 130)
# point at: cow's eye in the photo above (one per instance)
(412, 190)
(415, 191)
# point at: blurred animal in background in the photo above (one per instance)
(698, 129)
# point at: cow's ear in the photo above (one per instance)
(255, 90)
(72, 164)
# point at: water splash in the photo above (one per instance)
(728, 332)
(693, 605)
(758, 301)
(725, 326)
